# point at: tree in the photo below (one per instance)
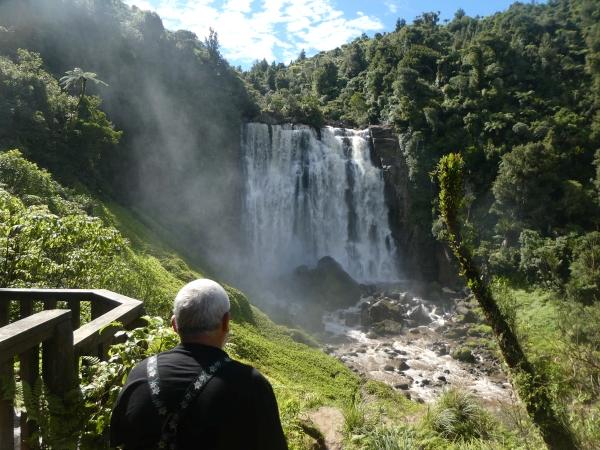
(526, 187)
(531, 385)
(78, 77)
(212, 45)
(325, 79)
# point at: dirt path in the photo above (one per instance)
(330, 422)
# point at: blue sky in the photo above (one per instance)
(278, 29)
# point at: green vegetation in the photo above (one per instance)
(529, 381)
(455, 421)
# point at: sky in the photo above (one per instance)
(277, 30)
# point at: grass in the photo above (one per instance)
(562, 339)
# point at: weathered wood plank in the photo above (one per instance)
(100, 330)
(99, 307)
(50, 304)
(75, 307)
(114, 297)
(58, 359)
(25, 308)
(45, 294)
(29, 372)
(7, 412)
(7, 437)
(63, 294)
(19, 336)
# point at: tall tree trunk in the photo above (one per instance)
(82, 93)
(532, 386)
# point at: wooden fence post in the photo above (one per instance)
(58, 360)
(7, 412)
(99, 307)
(29, 372)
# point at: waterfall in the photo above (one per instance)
(306, 198)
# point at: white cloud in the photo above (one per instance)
(391, 6)
(273, 29)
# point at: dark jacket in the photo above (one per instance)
(235, 410)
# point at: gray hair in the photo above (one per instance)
(200, 306)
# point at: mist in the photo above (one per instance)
(179, 106)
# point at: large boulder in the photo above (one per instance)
(328, 284)
(386, 327)
(420, 315)
(381, 310)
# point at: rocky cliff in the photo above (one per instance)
(421, 256)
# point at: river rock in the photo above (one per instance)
(457, 332)
(402, 365)
(328, 285)
(463, 354)
(440, 348)
(381, 310)
(386, 327)
(470, 317)
(420, 315)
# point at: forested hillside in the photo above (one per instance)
(516, 93)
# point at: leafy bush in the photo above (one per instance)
(545, 261)
(584, 284)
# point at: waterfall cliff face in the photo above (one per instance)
(306, 198)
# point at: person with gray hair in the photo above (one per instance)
(194, 396)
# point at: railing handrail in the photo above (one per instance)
(62, 338)
(95, 332)
(64, 294)
(19, 336)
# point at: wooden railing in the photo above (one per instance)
(62, 337)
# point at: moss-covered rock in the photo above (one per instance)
(463, 354)
(328, 285)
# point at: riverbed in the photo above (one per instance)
(417, 359)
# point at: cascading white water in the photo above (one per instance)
(307, 198)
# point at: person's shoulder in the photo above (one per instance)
(250, 373)
(140, 370)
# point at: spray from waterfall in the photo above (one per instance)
(308, 197)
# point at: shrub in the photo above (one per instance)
(354, 416)
(463, 354)
(545, 261)
(457, 416)
(584, 284)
